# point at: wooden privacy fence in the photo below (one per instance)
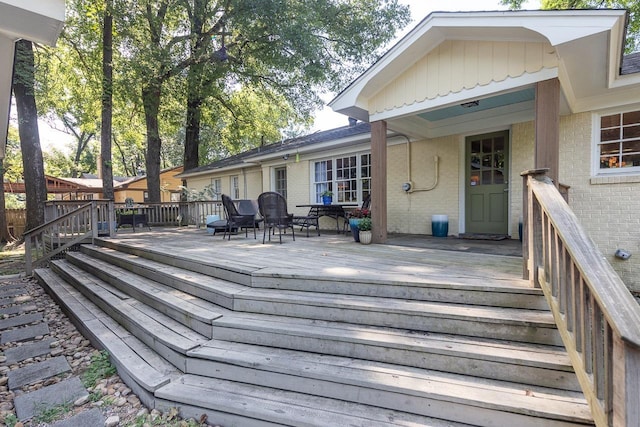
(597, 316)
(16, 221)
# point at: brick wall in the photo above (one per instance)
(608, 208)
(411, 212)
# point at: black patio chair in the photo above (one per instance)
(236, 220)
(273, 208)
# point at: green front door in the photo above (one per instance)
(487, 186)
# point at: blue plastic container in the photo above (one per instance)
(440, 225)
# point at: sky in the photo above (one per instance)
(327, 119)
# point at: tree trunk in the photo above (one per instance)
(151, 99)
(194, 86)
(192, 129)
(23, 89)
(107, 105)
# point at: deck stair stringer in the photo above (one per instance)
(141, 368)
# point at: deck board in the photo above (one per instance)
(335, 255)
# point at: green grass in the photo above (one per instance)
(169, 419)
(11, 259)
(11, 420)
(51, 414)
(99, 368)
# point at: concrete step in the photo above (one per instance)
(167, 337)
(533, 326)
(417, 391)
(140, 367)
(191, 311)
(208, 288)
(234, 404)
(523, 363)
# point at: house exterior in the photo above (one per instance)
(136, 188)
(458, 109)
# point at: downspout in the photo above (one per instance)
(409, 186)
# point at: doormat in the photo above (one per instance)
(479, 236)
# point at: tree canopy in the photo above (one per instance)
(194, 80)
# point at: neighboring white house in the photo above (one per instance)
(458, 109)
(39, 21)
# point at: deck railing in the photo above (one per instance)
(597, 317)
(75, 223)
(175, 213)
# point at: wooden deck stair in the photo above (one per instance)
(253, 345)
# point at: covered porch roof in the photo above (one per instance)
(460, 71)
(38, 21)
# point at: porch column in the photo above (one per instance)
(379, 181)
(547, 127)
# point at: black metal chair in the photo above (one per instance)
(236, 220)
(273, 208)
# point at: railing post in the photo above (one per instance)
(626, 384)
(28, 261)
(111, 217)
(531, 227)
(94, 219)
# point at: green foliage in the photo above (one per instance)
(11, 420)
(168, 419)
(192, 195)
(99, 368)
(364, 224)
(47, 415)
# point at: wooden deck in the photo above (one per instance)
(338, 256)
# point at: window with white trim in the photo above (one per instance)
(216, 188)
(347, 177)
(280, 178)
(618, 146)
(235, 187)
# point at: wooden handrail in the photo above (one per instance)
(60, 234)
(596, 315)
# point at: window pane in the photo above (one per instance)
(610, 134)
(630, 160)
(631, 118)
(631, 147)
(631, 132)
(486, 177)
(608, 149)
(607, 162)
(487, 145)
(610, 121)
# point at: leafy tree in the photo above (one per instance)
(633, 6)
(285, 50)
(23, 90)
(69, 77)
